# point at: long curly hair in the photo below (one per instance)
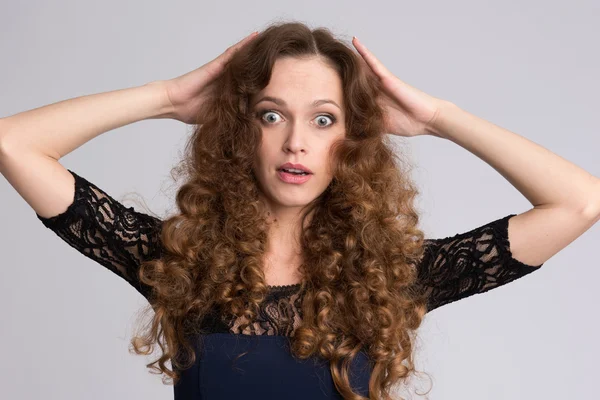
(359, 249)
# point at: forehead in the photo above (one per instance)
(300, 81)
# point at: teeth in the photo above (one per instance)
(293, 170)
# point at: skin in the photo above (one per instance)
(299, 133)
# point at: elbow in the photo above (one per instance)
(2, 139)
(11, 142)
(592, 209)
(5, 141)
(4, 135)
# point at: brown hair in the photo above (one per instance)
(359, 249)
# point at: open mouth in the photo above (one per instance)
(293, 177)
(294, 171)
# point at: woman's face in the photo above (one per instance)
(301, 115)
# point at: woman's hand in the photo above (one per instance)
(408, 111)
(187, 93)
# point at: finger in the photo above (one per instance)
(247, 38)
(231, 50)
(370, 58)
(242, 42)
(366, 67)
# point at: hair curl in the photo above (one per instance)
(359, 249)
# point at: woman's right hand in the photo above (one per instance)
(187, 93)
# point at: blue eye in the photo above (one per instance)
(262, 113)
(331, 117)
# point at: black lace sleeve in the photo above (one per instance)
(107, 232)
(469, 263)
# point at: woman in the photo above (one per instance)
(295, 267)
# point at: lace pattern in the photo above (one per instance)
(279, 314)
(469, 263)
(104, 230)
(120, 238)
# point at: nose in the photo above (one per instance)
(295, 139)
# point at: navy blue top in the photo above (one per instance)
(120, 238)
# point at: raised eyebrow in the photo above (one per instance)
(282, 103)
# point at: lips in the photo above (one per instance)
(289, 165)
(291, 178)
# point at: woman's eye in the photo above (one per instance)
(269, 112)
(319, 118)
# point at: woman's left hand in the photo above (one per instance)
(408, 111)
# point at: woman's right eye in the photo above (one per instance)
(261, 114)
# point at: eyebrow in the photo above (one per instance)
(282, 103)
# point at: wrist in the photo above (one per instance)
(438, 127)
(164, 108)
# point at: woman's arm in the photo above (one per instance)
(544, 178)
(565, 198)
(57, 129)
(32, 142)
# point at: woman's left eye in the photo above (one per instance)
(261, 114)
(331, 117)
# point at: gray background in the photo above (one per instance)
(528, 66)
